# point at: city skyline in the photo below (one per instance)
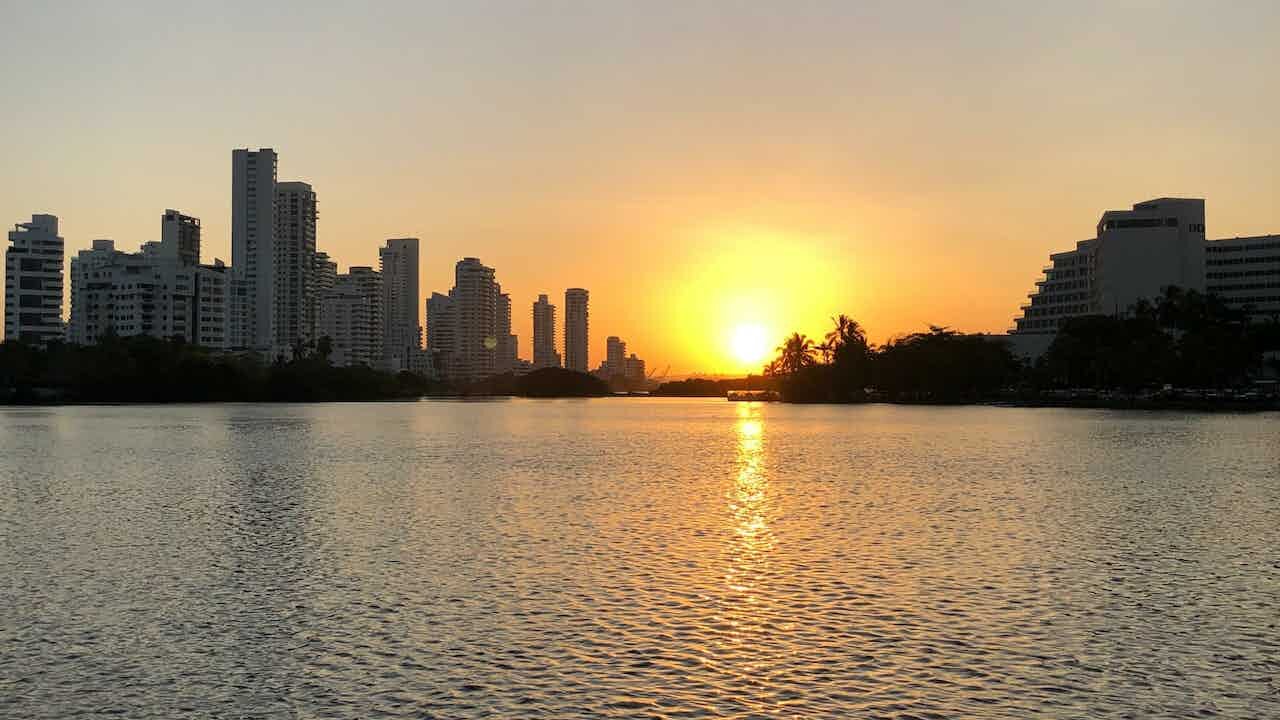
(718, 183)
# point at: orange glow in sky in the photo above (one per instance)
(710, 171)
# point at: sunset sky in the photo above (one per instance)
(695, 165)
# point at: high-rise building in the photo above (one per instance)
(295, 247)
(475, 298)
(576, 330)
(180, 237)
(507, 343)
(369, 283)
(615, 356)
(442, 328)
(468, 331)
(402, 340)
(350, 318)
(33, 282)
(253, 252)
(634, 372)
(324, 274)
(544, 334)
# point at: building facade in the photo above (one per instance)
(180, 236)
(507, 348)
(33, 279)
(402, 337)
(295, 248)
(324, 274)
(350, 318)
(615, 355)
(544, 334)
(576, 330)
(253, 255)
(442, 326)
(1245, 273)
(1136, 254)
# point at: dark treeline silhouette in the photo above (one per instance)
(151, 370)
(543, 383)
(707, 387)
(1184, 339)
(940, 365)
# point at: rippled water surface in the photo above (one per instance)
(637, 558)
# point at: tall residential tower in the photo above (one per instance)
(295, 249)
(253, 259)
(402, 333)
(544, 334)
(575, 330)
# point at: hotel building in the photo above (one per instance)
(1135, 255)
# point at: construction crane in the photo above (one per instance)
(656, 377)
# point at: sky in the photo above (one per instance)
(696, 165)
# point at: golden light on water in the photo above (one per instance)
(748, 498)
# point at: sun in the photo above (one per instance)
(749, 343)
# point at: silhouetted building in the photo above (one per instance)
(151, 292)
(442, 328)
(295, 248)
(576, 330)
(324, 274)
(507, 343)
(544, 335)
(180, 236)
(402, 337)
(33, 282)
(351, 317)
(253, 251)
(633, 370)
(615, 356)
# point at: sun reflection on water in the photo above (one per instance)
(749, 503)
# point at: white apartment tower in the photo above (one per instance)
(575, 330)
(33, 282)
(253, 256)
(402, 337)
(295, 248)
(544, 334)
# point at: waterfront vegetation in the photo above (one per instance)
(151, 370)
(1184, 339)
(543, 383)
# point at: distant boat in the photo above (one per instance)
(752, 396)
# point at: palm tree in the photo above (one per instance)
(847, 333)
(795, 353)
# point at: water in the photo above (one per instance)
(637, 558)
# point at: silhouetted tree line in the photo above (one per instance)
(543, 383)
(940, 365)
(1184, 339)
(707, 387)
(152, 370)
